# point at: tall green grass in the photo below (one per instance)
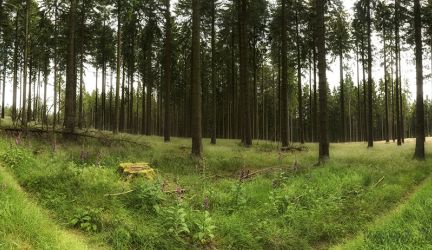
(23, 225)
(407, 227)
(293, 205)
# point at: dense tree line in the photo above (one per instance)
(235, 69)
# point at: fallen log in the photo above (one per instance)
(86, 135)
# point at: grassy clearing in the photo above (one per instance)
(295, 206)
(25, 226)
(409, 226)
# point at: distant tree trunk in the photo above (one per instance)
(420, 127)
(342, 96)
(111, 119)
(70, 99)
(213, 74)
(365, 118)
(96, 108)
(322, 67)
(284, 84)
(386, 125)
(359, 123)
(103, 96)
(117, 97)
(196, 82)
(81, 44)
(143, 106)
(149, 124)
(123, 101)
(167, 73)
(45, 111)
(315, 95)
(402, 123)
(29, 99)
(3, 88)
(299, 82)
(370, 119)
(244, 74)
(81, 89)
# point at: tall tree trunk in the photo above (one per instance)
(370, 101)
(244, 74)
(398, 120)
(15, 72)
(420, 128)
(55, 64)
(70, 99)
(213, 74)
(26, 52)
(299, 81)
(167, 73)
(359, 124)
(365, 118)
(322, 67)
(196, 129)
(284, 83)
(117, 96)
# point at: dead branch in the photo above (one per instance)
(118, 194)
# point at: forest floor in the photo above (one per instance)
(56, 192)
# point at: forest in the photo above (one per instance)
(215, 124)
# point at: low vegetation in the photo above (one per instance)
(23, 225)
(234, 198)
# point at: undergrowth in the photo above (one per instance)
(207, 204)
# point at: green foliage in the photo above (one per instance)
(187, 225)
(238, 196)
(16, 157)
(87, 220)
(204, 229)
(175, 221)
(147, 195)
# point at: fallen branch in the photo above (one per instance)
(378, 182)
(265, 170)
(181, 191)
(294, 148)
(118, 194)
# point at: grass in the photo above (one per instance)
(409, 226)
(23, 225)
(295, 205)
